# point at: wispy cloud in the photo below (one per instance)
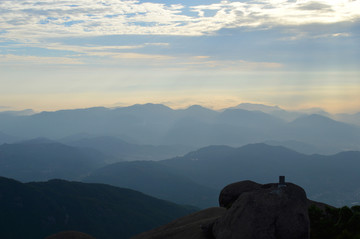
(77, 54)
(33, 20)
(19, 59)
(300, 34)
(110, 51)
(235, 65)
(125, 56)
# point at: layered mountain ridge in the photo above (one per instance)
(193, 178)
(196, 126)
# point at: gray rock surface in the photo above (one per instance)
(254, 211)
(231, 192)
(188, 227)
(268, 212)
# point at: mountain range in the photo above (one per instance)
(292, 115)
(331, 179)
(185, 156)
(194, 178)
(194, 127)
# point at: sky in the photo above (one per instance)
(64, 54)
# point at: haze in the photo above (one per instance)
(121, 116)
(75, 54)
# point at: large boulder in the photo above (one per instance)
(268, 212)
(254, 211)
(231, 192)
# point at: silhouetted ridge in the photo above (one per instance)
(149, 107)
(199, 110)
(37, 210)
(196, 108)
(196, 126)
(62, 112)
(217, 166)
(257, 107)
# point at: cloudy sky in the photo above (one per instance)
(61, 54)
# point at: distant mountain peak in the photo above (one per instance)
(315, 118)
(257, 107)
(315, 110)
(196, 107)
(150, 106)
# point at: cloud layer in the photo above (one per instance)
(32, 20)
(212, 50)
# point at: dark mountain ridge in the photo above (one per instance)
(199, 174)
(36, 210)
(332, 179)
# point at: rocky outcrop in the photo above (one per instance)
(268, 212)
(230, 193)
(188, 227)
(248, 211)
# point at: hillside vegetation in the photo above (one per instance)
(37, 210)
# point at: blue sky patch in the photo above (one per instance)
(70, 23)
(112, 15)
